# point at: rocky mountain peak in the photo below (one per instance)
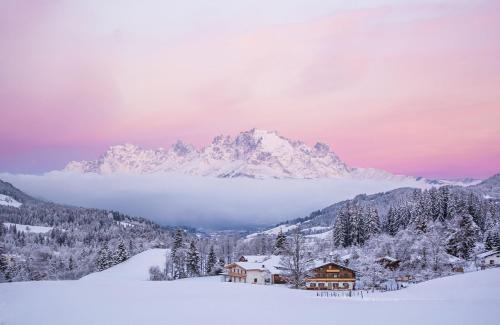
(254, 153)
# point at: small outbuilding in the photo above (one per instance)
(488, 259)
(388, 262)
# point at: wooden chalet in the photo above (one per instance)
(331, 276)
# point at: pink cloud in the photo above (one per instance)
(413, 94)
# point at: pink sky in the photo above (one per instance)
(413, 89)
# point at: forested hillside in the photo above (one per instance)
(430, 232)
(74, 242)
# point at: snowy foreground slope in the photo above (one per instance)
(134, 269)
(119, 296)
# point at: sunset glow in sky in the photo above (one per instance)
(412, 87)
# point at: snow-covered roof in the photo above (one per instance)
(251, 266)
(346, 257)
(269, 263)
(273, 264)
(255, 258)
(453, 259)
(488, 253)
(388, 258)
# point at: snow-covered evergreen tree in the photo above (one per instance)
(372, 223)
(211, 261)
(463, 238)
(193, 260)
(178, 256)
(4, 264)
(120, 254)
(492, 240)
(391, 224)
(104, 258)
(280, 243)
(342, 229)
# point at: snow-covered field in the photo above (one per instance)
(28, 228)
(8, 201)
(121, 296)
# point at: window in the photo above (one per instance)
(492, 262)
(321, 285)
(312, 285)
(254, 280)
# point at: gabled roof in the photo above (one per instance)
(251, 266)
(270, 264)
(488, 253)
(273, 264)
(320, 263)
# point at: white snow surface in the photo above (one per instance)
(135, 268)
(126, 224)
(274, 231)
(29, 228)
(470, 298)
(324, 235)
(8, 201)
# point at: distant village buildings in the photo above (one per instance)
(334, 273)
(257, 269)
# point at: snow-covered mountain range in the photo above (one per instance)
(255, 154)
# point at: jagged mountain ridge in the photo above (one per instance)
(255, 154)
